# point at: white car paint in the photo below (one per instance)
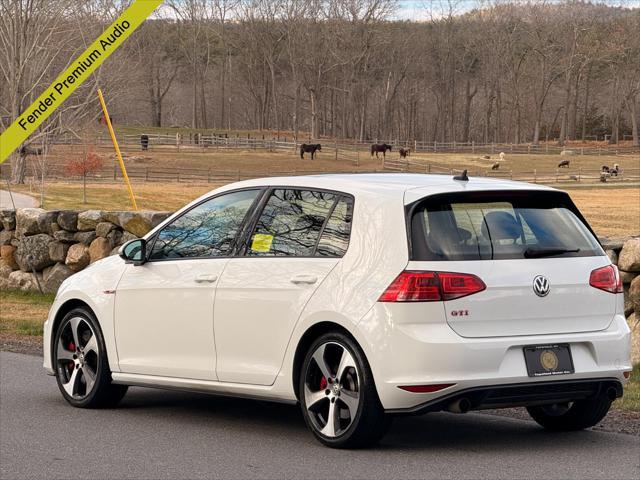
(239, 334)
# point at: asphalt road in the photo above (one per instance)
(19, 199)
(158, 434)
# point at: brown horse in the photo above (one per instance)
(404, 152)
(310, 148)
(380, 147)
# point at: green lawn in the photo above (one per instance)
(631, 399)
(23, 313)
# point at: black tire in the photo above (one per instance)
(570, 417)
(103, 393)
(370, 422)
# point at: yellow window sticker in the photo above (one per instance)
(261, 242)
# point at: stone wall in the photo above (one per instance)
(56, 244)
(625, 252)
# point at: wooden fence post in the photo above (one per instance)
(535, 175)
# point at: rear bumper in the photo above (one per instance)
(520, 395)
(403, 352)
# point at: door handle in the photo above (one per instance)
(204, 278)
(304, 279)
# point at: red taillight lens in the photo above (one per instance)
(457, 285)
(607, 279)
(412, 286)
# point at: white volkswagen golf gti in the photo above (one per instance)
(359, 296)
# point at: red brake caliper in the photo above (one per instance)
(323, 383)
(72, 348)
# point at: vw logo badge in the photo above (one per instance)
(541, 286)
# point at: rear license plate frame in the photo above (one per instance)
(548, 360)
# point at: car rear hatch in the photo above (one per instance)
(543, 270)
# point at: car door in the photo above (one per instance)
(164, 308)
(296, 240)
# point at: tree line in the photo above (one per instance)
(505, 71)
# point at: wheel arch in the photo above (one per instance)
(309, 336)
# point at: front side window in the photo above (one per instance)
(207, 230)
(499, 225)
(302, 223)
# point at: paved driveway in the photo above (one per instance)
(160, 434)
(19, 199)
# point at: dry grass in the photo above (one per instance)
(23, 313)
(261, 161)
(149, 196)
(610, 211)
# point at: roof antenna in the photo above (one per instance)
(462, 177)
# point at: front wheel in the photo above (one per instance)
(564, 417)
(337, 394)
(81, 366)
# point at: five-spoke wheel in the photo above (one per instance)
(82, 370)
(337, 394)
(332, 394)
(77, 357)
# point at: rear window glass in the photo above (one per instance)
(499, 225)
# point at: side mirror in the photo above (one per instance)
(134, 251)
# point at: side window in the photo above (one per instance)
(335, 236)
(208, 230)
(291, 223)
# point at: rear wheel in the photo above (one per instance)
(82, 369)
(563, 417)
(337, 394)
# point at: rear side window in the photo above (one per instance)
(335, 236)
(302, 223)
(499, 225)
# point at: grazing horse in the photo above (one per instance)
(380, 147)
(310, 148)
(615, 170)
(404, 152)
(564, 164)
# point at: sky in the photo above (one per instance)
(427, 9)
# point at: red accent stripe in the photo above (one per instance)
(425, 388)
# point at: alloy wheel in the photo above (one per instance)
(332, 389)
(77, 358)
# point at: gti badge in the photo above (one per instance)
(541, 286)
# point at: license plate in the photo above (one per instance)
(546, 360)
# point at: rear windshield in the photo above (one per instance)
(499, 225)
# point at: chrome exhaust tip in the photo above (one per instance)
(462, 405)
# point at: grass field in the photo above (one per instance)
(23, 313)
(262, 161)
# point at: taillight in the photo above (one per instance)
(607, 279)
(413, 286)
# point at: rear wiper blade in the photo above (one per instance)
(547, 252)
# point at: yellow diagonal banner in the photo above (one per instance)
(75, 75)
